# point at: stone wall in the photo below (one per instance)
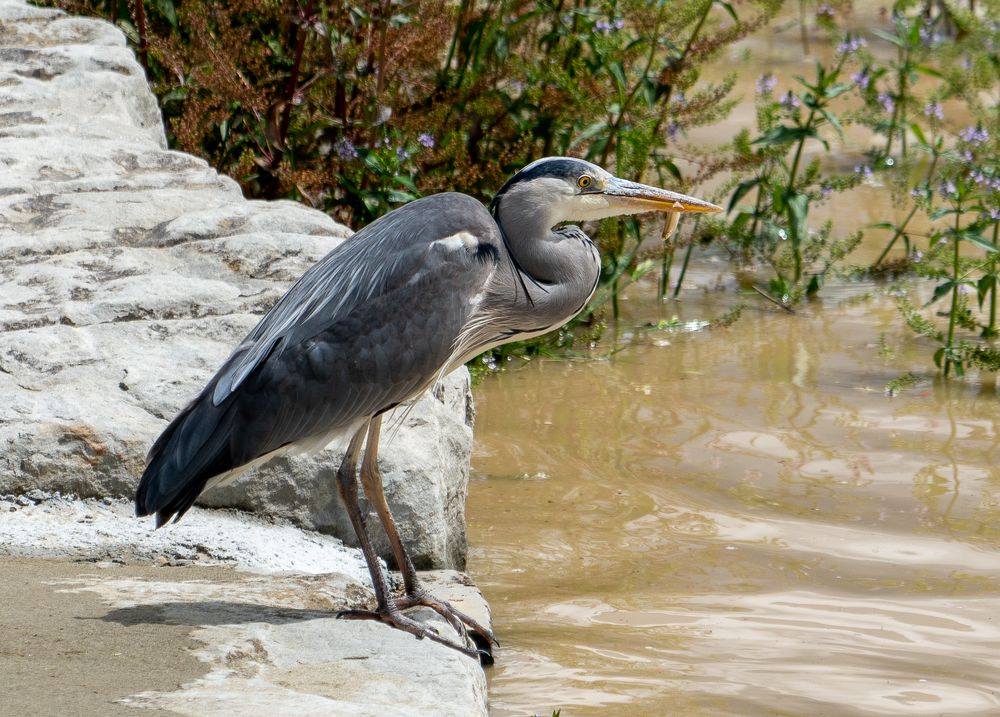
(127, 274)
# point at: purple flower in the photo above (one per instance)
(864, 170)
(861, 79)
(851, 44)
(967, 156)
(609, 27)
(345, 149)
(790, 101)
(916, 256)
(974, 135)
(916, 193)
(825, 10)
(766, 83)
(928, 36)
(826, 190)
(885, 99)
(426, 140)
(672, 130)
(680, 99)
(934, 111)
(994, 214)
(402, 155)
(948, 188)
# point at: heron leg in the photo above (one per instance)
(415, 594)
(387, 611)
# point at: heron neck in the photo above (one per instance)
(559, 268)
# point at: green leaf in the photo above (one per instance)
(798, 209)
(895, 40)
(943, 212)
(641, 269)
(591, 130)
(783, 134)
(941, 290)
(918, 133)
(974, 237)
(882, 225)
(984, 286)
(834, 122)
(176, 94)
(930, 71)
(407, 182)
(397, 197)
(618, 73)
(836, 91)
(741, 191)
(779, 288)
(938, 356)
(728, 8)
(167, 9)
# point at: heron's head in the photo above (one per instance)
(563, 189)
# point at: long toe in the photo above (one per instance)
(393, 617)
(481, 635)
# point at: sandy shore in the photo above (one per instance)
(66, 652)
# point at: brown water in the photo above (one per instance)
(740, 521)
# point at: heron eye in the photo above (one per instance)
(584, 182)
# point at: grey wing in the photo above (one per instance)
(369, 326)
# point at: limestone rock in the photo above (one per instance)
(269, 637)
(129, 272)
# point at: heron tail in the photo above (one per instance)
(190, 451)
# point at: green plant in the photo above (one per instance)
(774, 229)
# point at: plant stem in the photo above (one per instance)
(684, 268)
(899, 232)
(796, 249)
(139, 12)
(666, 261)
(991, 329)
(953, 314)
(902, 227)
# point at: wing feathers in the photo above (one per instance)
(366, 328)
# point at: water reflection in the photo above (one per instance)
(741, 522)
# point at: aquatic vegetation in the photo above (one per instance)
(357, 107)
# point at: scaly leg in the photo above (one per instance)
(371, 479)
(387, 610)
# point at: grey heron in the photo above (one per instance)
(383, 316)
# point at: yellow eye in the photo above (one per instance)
(584, 182)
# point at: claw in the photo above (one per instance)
(394, 618)
(458, 619)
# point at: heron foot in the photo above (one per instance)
(482, 636)
(393, 617)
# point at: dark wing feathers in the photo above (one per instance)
(367, 327)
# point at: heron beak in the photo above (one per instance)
(635, 198)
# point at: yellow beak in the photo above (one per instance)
(644, 198)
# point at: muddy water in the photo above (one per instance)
(740, 521)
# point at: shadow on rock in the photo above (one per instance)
(212, 612)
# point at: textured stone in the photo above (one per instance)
(271, 643)
(129, 272)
